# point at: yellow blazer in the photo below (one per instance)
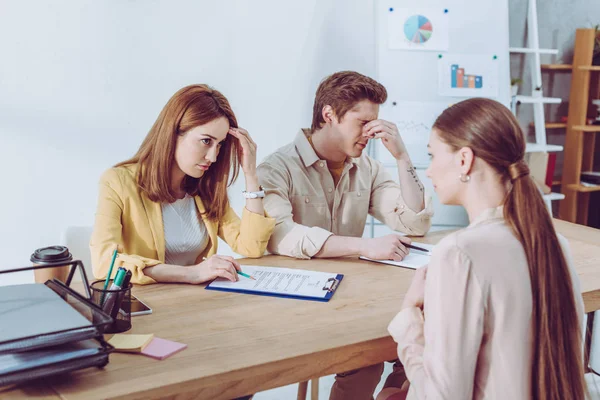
(127, 219)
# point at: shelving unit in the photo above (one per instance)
(537, 98)
(581, 138)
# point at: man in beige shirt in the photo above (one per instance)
(321, 188)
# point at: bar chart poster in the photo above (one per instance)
(468, 75)
(418, 28)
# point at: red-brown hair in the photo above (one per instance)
(342, 91)
(494, 135)
(190, 107)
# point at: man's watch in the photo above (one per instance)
(254, 195)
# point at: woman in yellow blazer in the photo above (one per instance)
(164, 208)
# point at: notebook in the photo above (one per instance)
(22, 367)
(129, 343)
(37, 312)
(282, 282)
(414, 260)
(162, 348)
(10, 363)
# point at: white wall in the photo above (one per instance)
(82, 81)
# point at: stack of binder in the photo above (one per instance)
(48, 329)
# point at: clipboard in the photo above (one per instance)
(282, 282)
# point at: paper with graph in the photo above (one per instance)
(414, 120)
(468, 75)
(418, 28)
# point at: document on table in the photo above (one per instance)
(414, 260)
(282, 282)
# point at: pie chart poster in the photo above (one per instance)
(418, 28)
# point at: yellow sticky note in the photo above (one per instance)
(129, 343)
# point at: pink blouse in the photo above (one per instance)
(475, 341)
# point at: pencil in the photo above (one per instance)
(112, 264)
(246, 275)
(410, 246)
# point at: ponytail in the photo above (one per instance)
(557, 366)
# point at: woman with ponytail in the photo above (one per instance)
(498, 312)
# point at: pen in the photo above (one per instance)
(410, 246)
(239, 272)
(127, 279)
(246, 275)
(112, 296)
(119, 301)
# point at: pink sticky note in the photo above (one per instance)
(161, 348)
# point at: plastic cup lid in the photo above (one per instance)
(51, 254)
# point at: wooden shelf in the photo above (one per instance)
(587, 128)
(590, 67)
(584, 189)
(552, 125)
(556, 125)
(557, 67)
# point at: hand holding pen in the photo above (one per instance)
(214, 267)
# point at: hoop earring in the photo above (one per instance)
(464, 178)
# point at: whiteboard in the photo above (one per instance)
(409, 63)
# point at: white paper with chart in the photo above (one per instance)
(418, 28)
(414, 260)
(282, 282)
(468, 75)
(414, 120)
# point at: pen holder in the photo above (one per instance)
(116, 303)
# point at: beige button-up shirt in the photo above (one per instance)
(475, 341)
(308, 207)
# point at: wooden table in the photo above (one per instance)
(241, 344)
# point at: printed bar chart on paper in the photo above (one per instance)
(468, 75)
(459, 79)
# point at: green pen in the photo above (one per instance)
(239, 272)
(246, 275)
(117, 284)
(119, 278)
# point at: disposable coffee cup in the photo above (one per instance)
(51, 255)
